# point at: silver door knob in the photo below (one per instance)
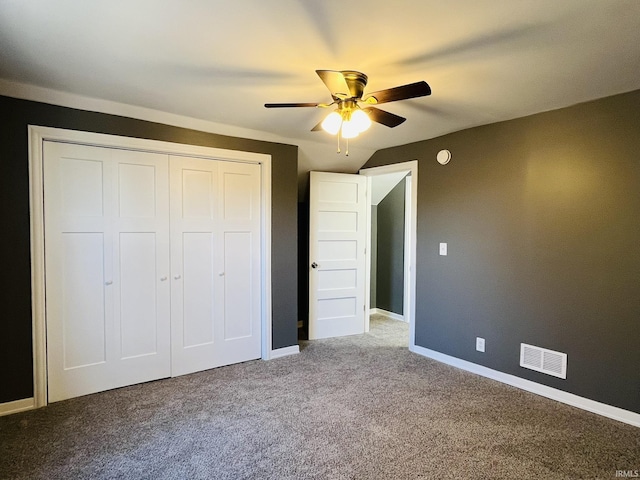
(163, 279)
(221, 274)
(178, 277)
(108, 282)
(314, 265)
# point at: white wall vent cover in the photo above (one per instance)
(543, 360)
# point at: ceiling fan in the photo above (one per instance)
(347, 90)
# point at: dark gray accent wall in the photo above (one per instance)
(542, 218)
(16, 375)
(373, 275)
(390, 251)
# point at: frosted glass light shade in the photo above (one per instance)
(361, 120)
(350, 129)
(331, 124)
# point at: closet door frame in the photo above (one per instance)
(38, 135)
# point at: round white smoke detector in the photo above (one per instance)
(443, 157)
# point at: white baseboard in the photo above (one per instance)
(592, 406)
(284, 352)
(17, 406)
(380, 311)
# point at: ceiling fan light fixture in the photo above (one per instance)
(350, 129)
(347, 121)
(361, 120)
(332, 123)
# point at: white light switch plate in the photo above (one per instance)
(480, 344)
(443, 249)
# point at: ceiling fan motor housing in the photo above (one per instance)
(356, 81)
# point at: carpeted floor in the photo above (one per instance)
(360, 407)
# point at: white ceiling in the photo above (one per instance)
(221, 60)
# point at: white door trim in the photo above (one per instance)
(37, 135)
(408, 241)
(410, 246)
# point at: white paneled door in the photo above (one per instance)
(107, 258)
(153, 266)
(337, 236)
(215, 263)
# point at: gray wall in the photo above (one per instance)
(373, 275)
(390, 251)
(16, 376)
(542, 218)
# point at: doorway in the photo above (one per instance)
(339, 231)
(381, 180)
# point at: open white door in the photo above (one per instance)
(337, 238)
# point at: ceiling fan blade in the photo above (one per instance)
(385, 118)
(318, 127)
(287, 105)
(336, 83)
(404, 92)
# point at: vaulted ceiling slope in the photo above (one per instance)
(220, 61)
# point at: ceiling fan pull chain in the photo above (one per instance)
(346, 153)
(339, 135)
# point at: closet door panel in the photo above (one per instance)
(83, 312)
(82, 184)
(197, 226)
(137, 190)
(198, 287)
(238, 285)
(138, 308)
(238, 197)
(197, 186)
(195, 264)
(106, 252)
(215, 235)
(142, 317)
(77, 182)
(239, 189)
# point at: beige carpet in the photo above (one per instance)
(360, 407)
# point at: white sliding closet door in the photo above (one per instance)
(215, 263)
(107, 263)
